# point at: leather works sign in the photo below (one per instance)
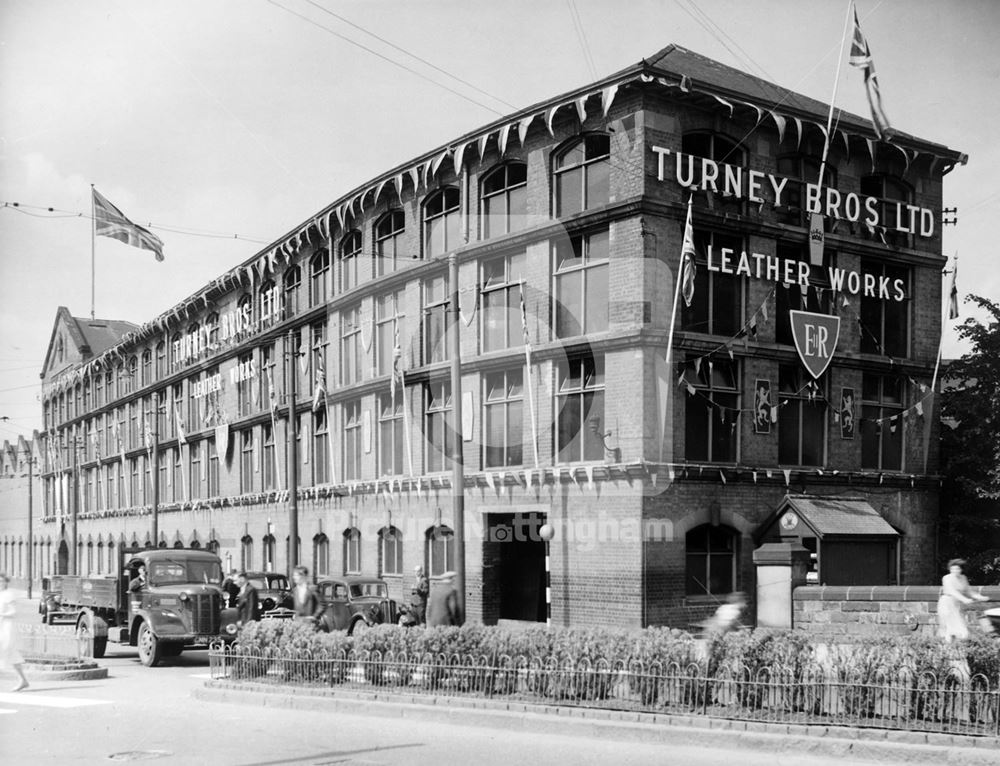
(815, 337)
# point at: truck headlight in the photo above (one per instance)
(231, 629)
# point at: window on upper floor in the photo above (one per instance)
(389, 253)
(268, 469)
(147, 368)
(816, 297)
(801, 417)
(890, 191)
(351, 347)
(247, 462)
(442, 222)
(717, 305)
(579, 407)
(801, 169)
(580, 283)
(503, 418)
(319, 277)
(501, 290)
(268, 305)
(505, 199)
(582, 175)
(711, 410)
(435, 324)
(244, 385)
(351, 274)
(161, 360)
(387, 331)
(290, 284)
(321, 446)
(391, 442)
(723, 151)
(439, 436)
(882, 422)
(352, 445)
(212, 331)
(885, 316)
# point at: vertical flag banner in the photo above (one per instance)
(397, 354)
(320, 390)
(861, 57)
(109, 221)
(688, 255)
(953, 295)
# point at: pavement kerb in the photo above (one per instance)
(877, 745)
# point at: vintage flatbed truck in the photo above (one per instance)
(180, 606)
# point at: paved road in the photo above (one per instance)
(140, 713)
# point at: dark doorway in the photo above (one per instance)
(62, 563)
(518, 555)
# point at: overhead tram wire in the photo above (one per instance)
(385, 58)
(582, 37)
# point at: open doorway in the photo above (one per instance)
(62, 560)
(516, 553)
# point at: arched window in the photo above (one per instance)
(99, 558)
(710, 569)
(582, 175)
(505, 199)
(390, 551)
(442, 222)
(147, 368)
(195, 544)
(352, 551)
(161, 360)
(439, 550)
(246, 553)
(350, 261)
(212, 546)
(319, 277)
(212, 326)
(321, 555)
(268, 551)
(291, 283)
(388, 242)
(268, 305)
(176, 355)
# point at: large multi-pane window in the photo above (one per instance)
(352, 440)
(317, 333)
(246, 460)
(351, 346)
(442, 222)
(801, 418)
(501, 301)
(503, 419)
(389, 242)
(711, 555)
(161, 360)
(391, 551)
(885, 320)
(212, 474)
(438, 432)
(390, 434)
(176, 482)
(319, 277)
(321, 447)
(352, 551)
(439, 550)
(582, 175)
(386, 331)
(817, 297)
(267, 468)
(505, 199)
(350, 261)
(581, 284)
(717, 305)
(890, 192)
(147, 368)
(436, 330)
(580, 408)
(291, 282)
(724, 151)
(195, 474)
(801, 169)
(882, 422)
(244, 385)
(711, 413)
(268, 398)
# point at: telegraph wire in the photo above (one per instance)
(582, 37)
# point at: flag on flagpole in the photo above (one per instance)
(861, 57)
(687, 255)
(953, 295)
(319, 392)
(397, 354)
(109, 221)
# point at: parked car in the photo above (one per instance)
(355, 603)
(48, 602)
(272, 590)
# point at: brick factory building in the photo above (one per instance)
(566, 221)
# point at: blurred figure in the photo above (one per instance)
(305, 600)
(443, 607)
(231, 588)
(955, 591)
(247, 601)
(9, 655)
(420, 591)
(726, 617)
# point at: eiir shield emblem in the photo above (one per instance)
(815, 338)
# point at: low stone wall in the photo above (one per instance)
(879, 610)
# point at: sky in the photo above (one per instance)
(224, 124)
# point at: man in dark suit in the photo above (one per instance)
(247, 601)
(305, 600)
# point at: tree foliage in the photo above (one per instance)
(970, 448)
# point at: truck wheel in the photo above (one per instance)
(149, 646)
(100, 647)
(100, 643)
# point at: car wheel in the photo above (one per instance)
(150, 649)
(358, 627)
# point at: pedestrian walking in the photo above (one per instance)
(247, 601)
(9, 655)
(306, 602)
(443, 607)
(955, 591)
(421, 590)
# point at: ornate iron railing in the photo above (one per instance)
(956, 702)
(54, 642)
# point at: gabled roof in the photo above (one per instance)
(833, 517)
(88, 338)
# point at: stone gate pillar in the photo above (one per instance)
(781, 567)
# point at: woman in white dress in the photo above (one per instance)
(8, 649)
(955, 591)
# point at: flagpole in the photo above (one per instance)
(93, 249)
(527, 364)
(673, 319)
(937, 366)
(833, 98)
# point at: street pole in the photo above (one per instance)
(293, 462)
(156, 469)
(457, 463)
(31, 542)
(75, 505)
